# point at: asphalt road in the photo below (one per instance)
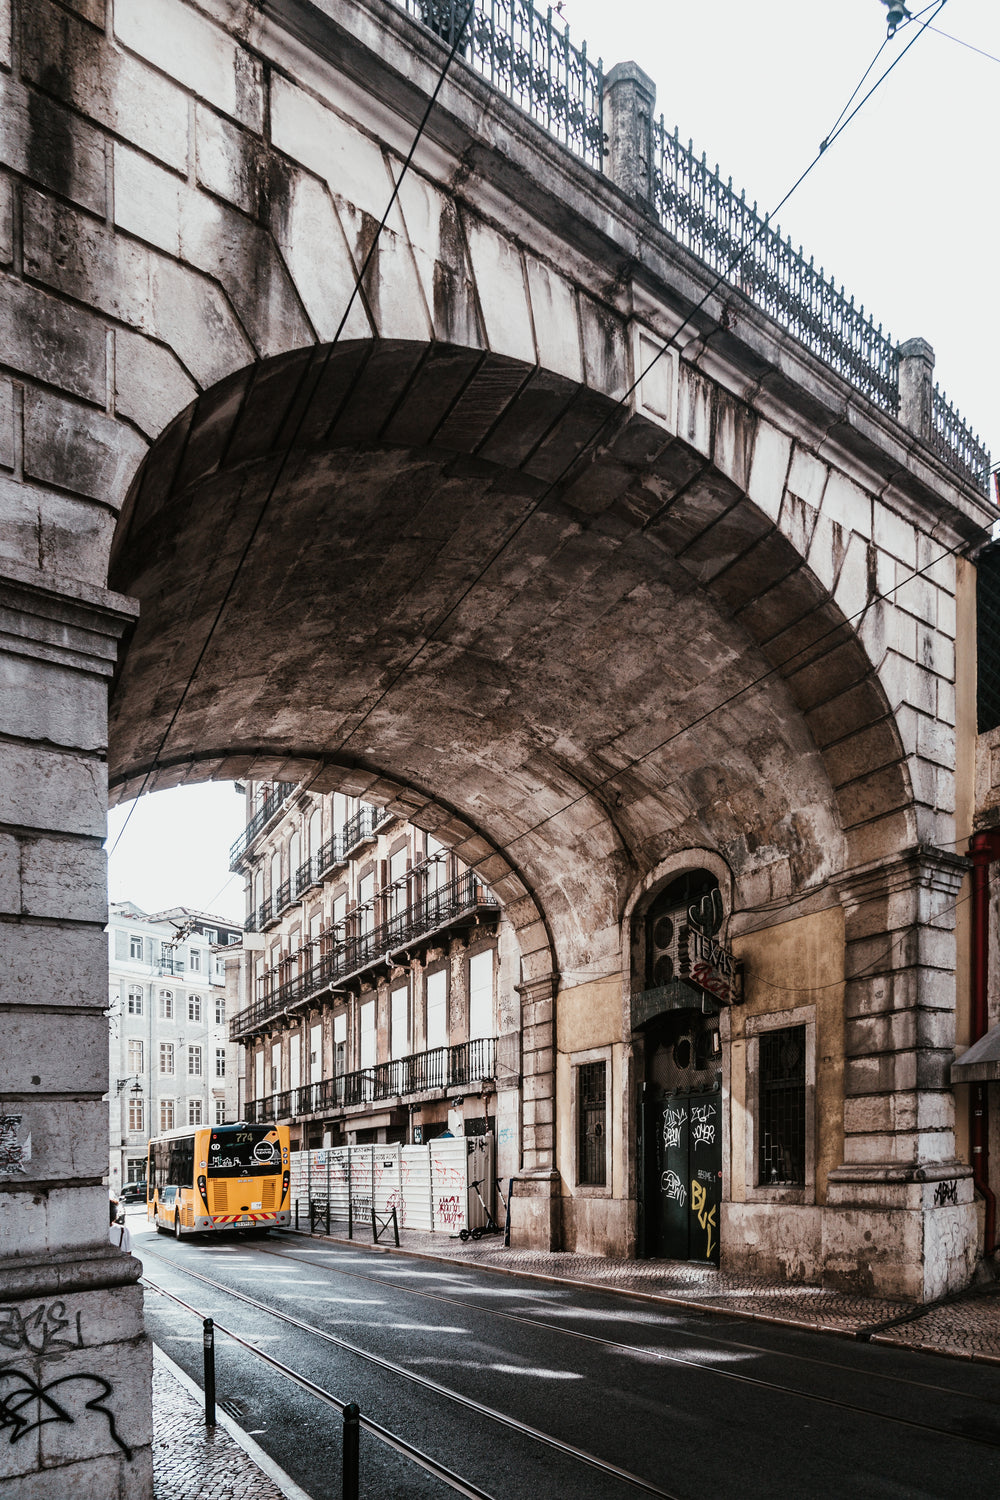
(692, 1404)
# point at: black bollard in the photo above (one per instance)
(209, 1373)
(352, 1451)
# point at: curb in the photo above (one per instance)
(285, 1483)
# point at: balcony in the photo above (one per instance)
(421, 1073)
(272, 803)
(456, 902)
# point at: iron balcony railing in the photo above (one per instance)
(532, 62)
(528, 57)
(273, 800)
(350, 953)
(422, 1072)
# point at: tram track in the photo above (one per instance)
(989, 1440)
(738, 1345)
(523, 1429)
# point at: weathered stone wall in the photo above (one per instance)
(186, 194)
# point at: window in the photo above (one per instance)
(315, 1054)
(194, 960)
(220, 1010)
(210, 935)
(591, 1101)
(194, 1062)
(135, 1000)
(258, 1073)
(194, 1111)
(220, 966)
(295, 1060)
(166, 1005)
(481, 995)
(135, 1055)
(437, 1009)
(194, 1008)
(340, 1045)
(166, 1057)
(368, 1037)
(220, 1062)
(232, 937)
(220, 1111)
(781, 1108)
(135, 1114)
(275, 1067)
(366, 904)
(397, 882)
(166, 1114)
(135, 947)
(399, 1022)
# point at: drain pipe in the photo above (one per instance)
(984, 848)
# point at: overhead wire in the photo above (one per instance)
(289, 448)
(840, 125)
(722, 278)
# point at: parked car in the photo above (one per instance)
(133, 1192)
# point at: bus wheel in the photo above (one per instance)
(160, 1228)
(177, 1226)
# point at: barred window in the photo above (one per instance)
(592, 1123)
(781, 1154)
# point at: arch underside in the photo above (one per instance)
(568, 659)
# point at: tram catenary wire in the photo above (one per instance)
(461, 1486)
(523, 1429)
(741, 1379)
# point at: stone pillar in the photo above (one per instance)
(69, 1305)
(629, 100)
(916, 387)
(902, 1220)
(536, 1202)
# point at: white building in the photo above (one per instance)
(171, 1062)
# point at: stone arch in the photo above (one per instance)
(514, 443)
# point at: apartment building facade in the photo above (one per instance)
(378, 983)
(171, 1060)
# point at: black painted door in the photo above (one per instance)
(687, 1185)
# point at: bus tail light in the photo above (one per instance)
(286, 1178)
(203, 1190)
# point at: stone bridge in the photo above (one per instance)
(515, 515)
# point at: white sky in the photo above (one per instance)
(900, 209)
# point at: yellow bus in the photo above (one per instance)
(219, 1177)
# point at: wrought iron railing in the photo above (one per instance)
(953, 441)
(422, 1072)
(360, 826)
(528, 56)
(531, 61)
(705, 215)
(273, 800)
(353, 952)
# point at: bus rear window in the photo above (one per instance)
(248, 1151)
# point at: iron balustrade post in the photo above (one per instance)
(209, 1347)
(352, 1452)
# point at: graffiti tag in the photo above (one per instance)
(673, 1188)
(703, 1132)
(946, 1192)
(25, 1404)
(47, 1332)
(705, 1215)
(674, 1121)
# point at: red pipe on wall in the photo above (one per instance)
(984, 848)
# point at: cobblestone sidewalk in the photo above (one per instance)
(192, 1463)
(967, 1326)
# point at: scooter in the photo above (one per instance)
(491, 1226)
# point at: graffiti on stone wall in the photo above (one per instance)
(946, 1192)
(47, 1332)
(15, 1145)
(26, 1404)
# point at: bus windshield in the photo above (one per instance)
(244, 1151)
